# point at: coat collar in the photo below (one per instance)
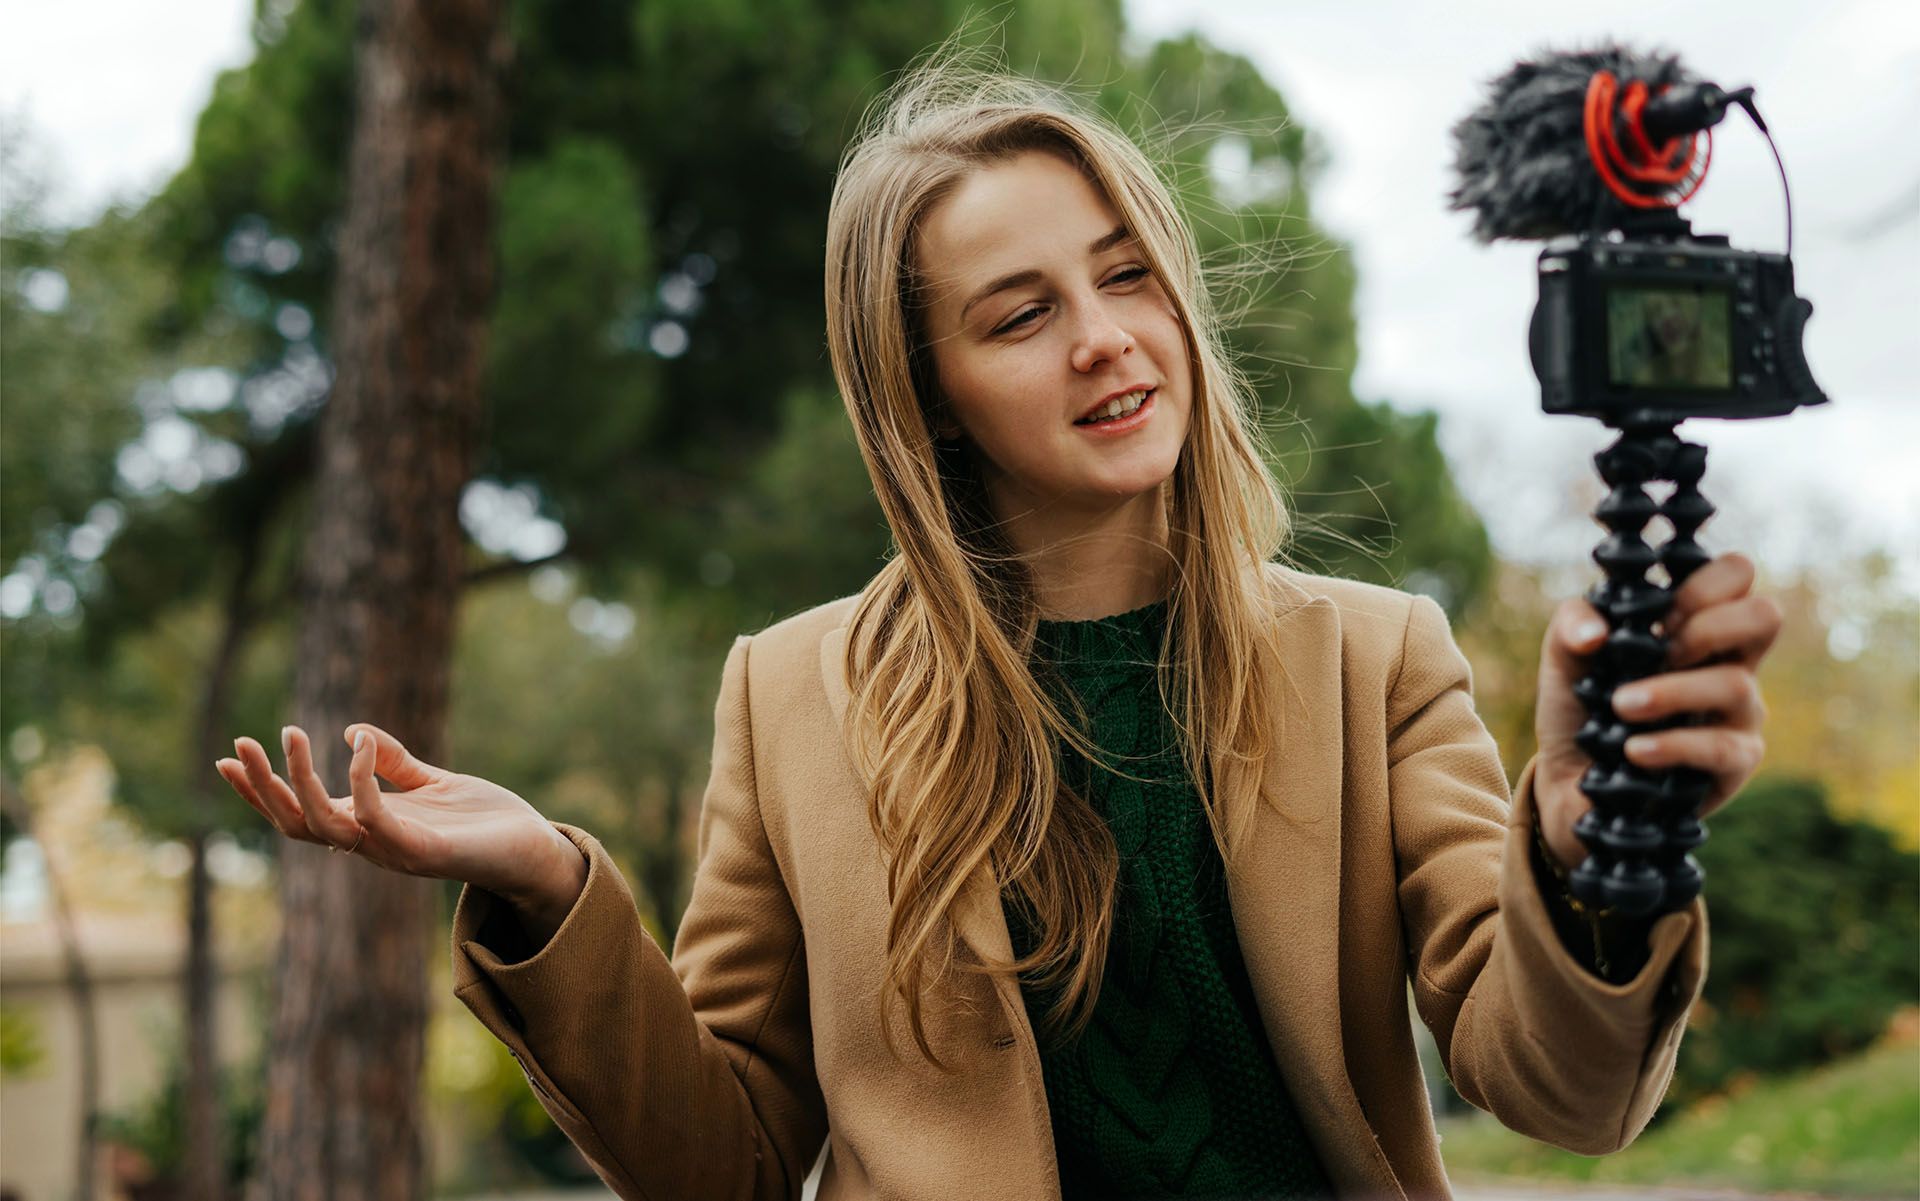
(1284, 889)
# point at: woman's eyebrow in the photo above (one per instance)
(1101, 245)
(1109, 240)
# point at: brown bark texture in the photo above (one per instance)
(203, 1167)
(380, 584)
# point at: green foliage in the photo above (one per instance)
(805, 523)
(142, 705)
(156, 1127)
(67, 321)
(22, 1049)
(269, 151)
(570, 381)
(1848, 1129)
(1375, 499)
(75, 309)
(506, 1141)
(73, 319)
(1813, 922)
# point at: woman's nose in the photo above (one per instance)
(1100, 339)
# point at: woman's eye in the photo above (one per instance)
(1018, 321)
(1127, 276)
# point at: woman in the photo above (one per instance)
(1182, 973)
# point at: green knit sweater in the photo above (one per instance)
(1172, 1090)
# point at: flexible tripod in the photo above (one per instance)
(1643, 825)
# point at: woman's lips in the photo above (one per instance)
(1121, 425)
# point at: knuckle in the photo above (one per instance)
(1732, 751)
(1736, 753)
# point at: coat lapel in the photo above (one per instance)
(1285, 893)
(1021, 1145)
(977, 916)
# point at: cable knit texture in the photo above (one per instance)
(1172, 1090)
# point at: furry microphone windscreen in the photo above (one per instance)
(1522, 157)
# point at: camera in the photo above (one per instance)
(1641, 324)
(1635, 328)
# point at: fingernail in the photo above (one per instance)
(1639, 744)
(285, 741)
(359, 741)
(1587, 631)
(1629, 698)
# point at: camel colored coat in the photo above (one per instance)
(1385, 851)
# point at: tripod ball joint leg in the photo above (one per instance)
(1643, 826)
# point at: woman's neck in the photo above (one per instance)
(1095, 565)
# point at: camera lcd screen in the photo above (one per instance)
(1670, 338)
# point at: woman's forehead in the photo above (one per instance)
(1036, 211)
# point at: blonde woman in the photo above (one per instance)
(927, 932)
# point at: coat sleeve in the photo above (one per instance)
(1526, 1031)
(683, 1079)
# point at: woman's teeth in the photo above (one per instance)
(1118, 407)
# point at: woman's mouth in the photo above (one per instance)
(1122, 414)
(1124, 411)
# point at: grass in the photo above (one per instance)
(1850, 1129)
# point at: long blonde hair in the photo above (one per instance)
(954, 733)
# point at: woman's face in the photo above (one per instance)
(1041, 312)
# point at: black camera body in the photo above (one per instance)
(1641, 330)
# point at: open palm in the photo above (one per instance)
(440, 823)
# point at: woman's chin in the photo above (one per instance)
(1113, 491)
(1124, 481)
(1099, 488)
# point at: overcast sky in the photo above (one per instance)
(111, 89)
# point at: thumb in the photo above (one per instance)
(1575, 632)
(392, 761)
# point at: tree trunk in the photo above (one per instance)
(380, 584)
(203, 1167)
(664, 860)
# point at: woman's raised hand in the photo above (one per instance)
(1717, 633)
(440, 824)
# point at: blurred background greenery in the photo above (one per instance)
(666, 464)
